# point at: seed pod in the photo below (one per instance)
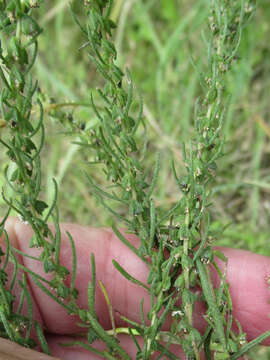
(186, 262)
(207, 255)
(17, 78)
(179, 282)
(29, 26)
(17, 52)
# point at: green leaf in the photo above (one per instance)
(14, 175)
(220, 255)
(250, 345)
(179, 282)
(40, 206)
(209, 295)
(42, 339)
(92, 336)
(128, 276)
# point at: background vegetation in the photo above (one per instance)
(162, 43)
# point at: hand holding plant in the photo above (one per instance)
(246, 274)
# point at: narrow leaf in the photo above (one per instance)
(250, 345)
(211, 301)
(128, 276)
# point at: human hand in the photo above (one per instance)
(247, 273)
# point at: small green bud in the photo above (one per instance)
(179, 282)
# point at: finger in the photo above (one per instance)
(79, 353)
(16, 289)
(11, 351)
(249, 277)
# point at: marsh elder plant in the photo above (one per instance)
(183, 232)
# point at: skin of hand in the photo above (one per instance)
(247, 273)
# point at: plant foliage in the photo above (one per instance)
(175, 244)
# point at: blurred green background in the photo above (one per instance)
(156, 40)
